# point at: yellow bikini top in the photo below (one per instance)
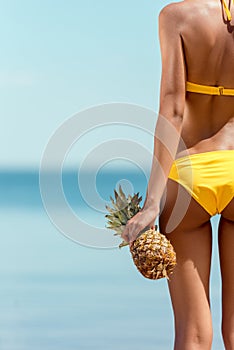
(207, 89)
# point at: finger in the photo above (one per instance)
(133, 235)
(125, 235)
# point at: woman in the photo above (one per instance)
(197, 47)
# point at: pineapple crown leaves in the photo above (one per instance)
(123, 208)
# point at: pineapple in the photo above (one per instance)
(152, 252)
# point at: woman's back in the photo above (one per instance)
(208, 44)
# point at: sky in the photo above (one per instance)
(59, 58)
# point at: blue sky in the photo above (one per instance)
(61, 57)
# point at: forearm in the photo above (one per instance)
(166, 140)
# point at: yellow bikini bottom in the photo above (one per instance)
(208, 177)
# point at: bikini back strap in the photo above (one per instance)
(209, 90)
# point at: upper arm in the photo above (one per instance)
(173, 77)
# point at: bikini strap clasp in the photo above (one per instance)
(221, 88)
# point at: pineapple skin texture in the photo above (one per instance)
(153, 255)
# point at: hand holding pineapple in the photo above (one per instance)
(152, 253)
(144, 219)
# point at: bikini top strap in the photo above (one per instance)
(228, 13)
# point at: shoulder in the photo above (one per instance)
(173, 13)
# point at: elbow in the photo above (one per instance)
(172, 107)
(177, 116)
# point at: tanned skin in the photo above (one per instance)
(197, 45)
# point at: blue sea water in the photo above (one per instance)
(57, 294)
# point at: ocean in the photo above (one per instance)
(59, 294)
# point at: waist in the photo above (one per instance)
(222, 154)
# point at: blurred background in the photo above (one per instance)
(60, 58)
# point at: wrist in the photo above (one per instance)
(151, 203)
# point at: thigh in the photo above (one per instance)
(192, 240)
(226, 249)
